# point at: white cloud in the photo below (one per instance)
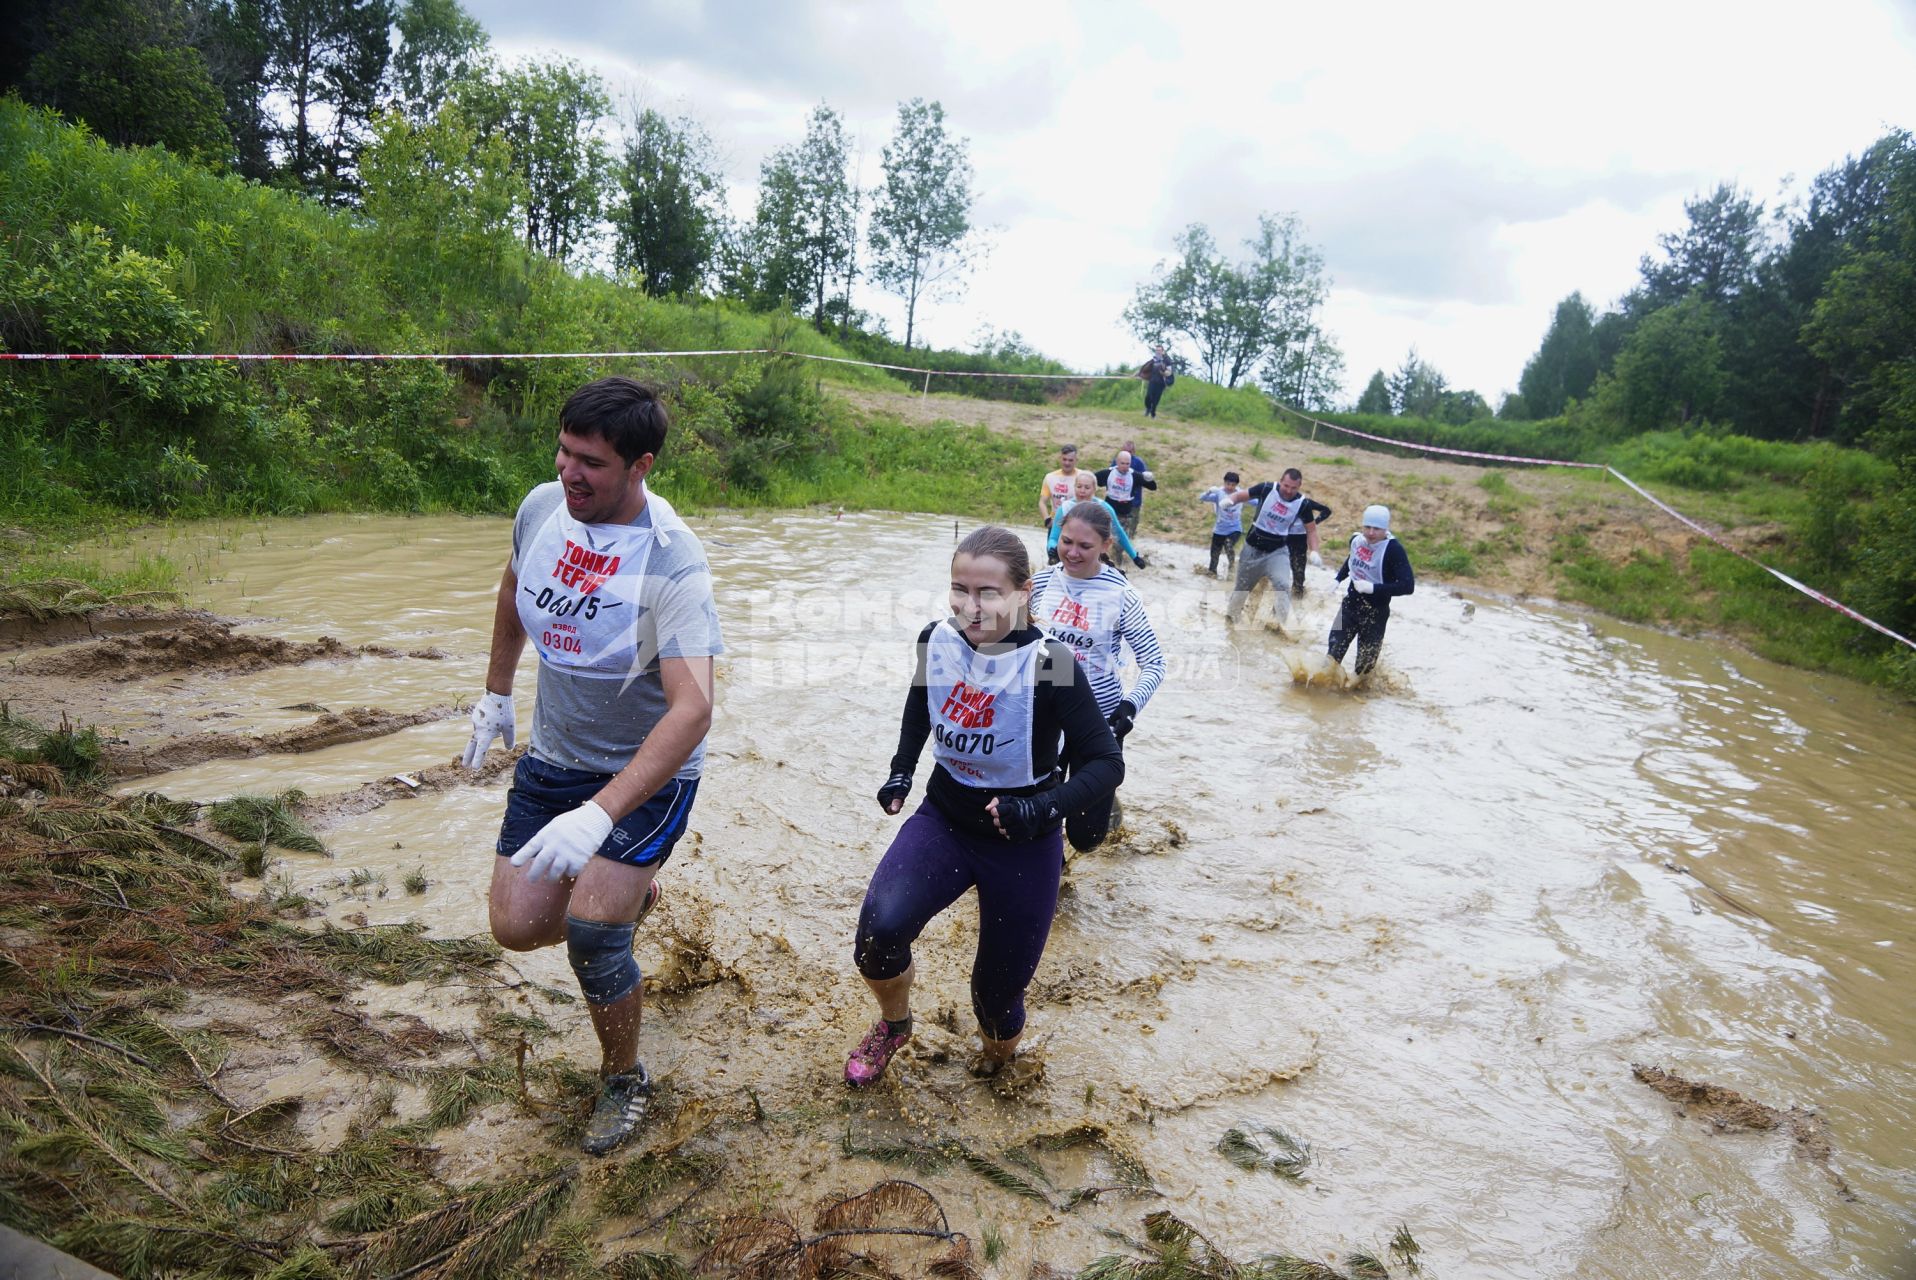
(1463, 167)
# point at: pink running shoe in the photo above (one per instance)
(873, 1054)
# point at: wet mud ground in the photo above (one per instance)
(1427, 926)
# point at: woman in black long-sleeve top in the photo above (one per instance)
(996, 698)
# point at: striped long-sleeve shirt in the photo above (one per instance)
(1097, 617)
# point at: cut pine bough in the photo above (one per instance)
(1267, 1147)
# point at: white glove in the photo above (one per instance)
(561, 848)
(1364, 586)
(491, 717)
(1317, 559)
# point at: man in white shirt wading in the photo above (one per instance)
(614, 593)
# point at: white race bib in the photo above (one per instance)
(1083, 614)
(1367, 558)
(981, 708)
(1278, 516)
(1119, 486)
(579, 594)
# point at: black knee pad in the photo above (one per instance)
(601, 956)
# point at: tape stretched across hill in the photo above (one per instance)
(377, 357)
(1641, 492)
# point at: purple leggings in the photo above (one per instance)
(929, 865)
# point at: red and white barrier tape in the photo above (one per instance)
(1647, 496)
(181, 357)
(375, 357)
(1431, 448)
(1778, 574)
(237, 357)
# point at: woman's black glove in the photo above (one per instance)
(1026, 817)
(891, 796)
(1124, 719)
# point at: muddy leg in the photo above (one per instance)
(996, 1053)
(1250, 569)
(893, 994)
(611, 892)
(1343, 632)
(1370, 642)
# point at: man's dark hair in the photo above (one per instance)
(1292, 473)
(1230, 477)
(622, 411)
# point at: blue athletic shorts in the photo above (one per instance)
(643, 838)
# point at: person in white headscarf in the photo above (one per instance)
(1377, 569)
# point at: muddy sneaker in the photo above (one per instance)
(619, 1111)
(1008, 1077)
(873, 1054)
(983, 1066)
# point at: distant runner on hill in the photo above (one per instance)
(1157, 374)
(614, 591)
(1003, 706)
(1378, 569)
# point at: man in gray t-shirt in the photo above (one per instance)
(612, 590)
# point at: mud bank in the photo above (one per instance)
(332, 729)
(26, 631)
(337, 807)
(205, 646)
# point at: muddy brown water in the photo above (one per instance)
(1425, 926)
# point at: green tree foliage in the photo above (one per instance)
(1609, 331)
(1460, 407)
(669, 218)
(1416, 388)
(1670, 371)
(231, 36)
(1376, 398)
(1865, 323)
(1762, 282)
(802, 240)
(1778, 386)
(1714, 256)
(1306, 371)
(439, 45)
(328, 57)
(549, 113)
(123, 67)
(923, 211)
(1514, 409)
(447, 205)
(1864, 327)
(1565, 366)
(1238, 314)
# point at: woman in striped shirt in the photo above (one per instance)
(1087, 605)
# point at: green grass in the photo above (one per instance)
(1451, 560)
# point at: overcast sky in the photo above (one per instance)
(1462, 167)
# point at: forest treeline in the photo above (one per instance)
(366, 175)
(295, 94)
